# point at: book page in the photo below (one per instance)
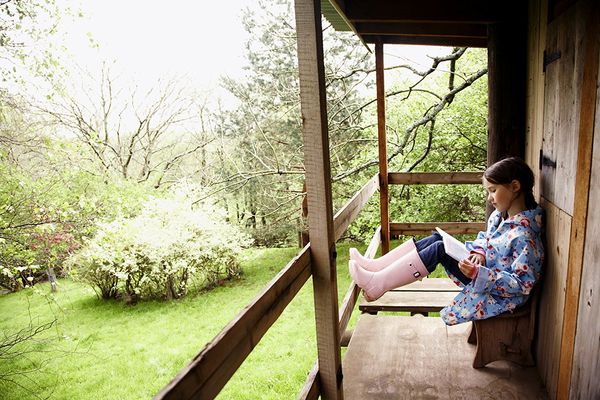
(454, 248)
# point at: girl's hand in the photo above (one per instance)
(477, 258)
(468, 268)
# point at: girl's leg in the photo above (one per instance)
(384, 261)
(377, 264)
(434, 254)
(405, 270)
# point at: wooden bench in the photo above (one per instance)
(421, 297)
(508, 336)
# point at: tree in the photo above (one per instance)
(144, 137)
(268, 157)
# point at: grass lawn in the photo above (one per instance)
(107, 350)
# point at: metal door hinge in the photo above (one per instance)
(550, 57)
(546, 161)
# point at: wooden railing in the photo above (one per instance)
(210, 370)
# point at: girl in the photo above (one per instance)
(504, 262)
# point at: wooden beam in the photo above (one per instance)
(582, 192)
(423, 228)
(431, 178)
(210, 370)
(422, 29)
(466, 11)
(427, 40)
(313, 107)
(310, 390)
(382, 141)
(344, 217)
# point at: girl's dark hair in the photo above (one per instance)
(509, 169)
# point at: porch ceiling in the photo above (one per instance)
(426, 22)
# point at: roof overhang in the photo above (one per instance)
(425, 22)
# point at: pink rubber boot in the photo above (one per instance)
(377, 264)
(407, 269)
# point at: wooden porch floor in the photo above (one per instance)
(396, 357)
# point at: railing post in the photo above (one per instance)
(382, 141)
(318, 183)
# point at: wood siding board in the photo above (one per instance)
(206, 375)
(586, 361)
(562, 108)
(318, 183)
(550, 315)
(535, 89)
(382, 145)
(585, 129)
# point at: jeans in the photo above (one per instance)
(432, 252)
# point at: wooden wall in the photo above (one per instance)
(584, 382)
(586, 363)
(554, 96)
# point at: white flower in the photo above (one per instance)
(30, 278)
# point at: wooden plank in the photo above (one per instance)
(422, 228)
(394, 357)
(562, 108)
(551, 305)
(535, 87)
(382, 143)
(586, 361)
(206, 375)
(310, 390)
(313, 106)
(431, 285)
(346, 215)
(432, 178)
(577, 249)
(418, 301)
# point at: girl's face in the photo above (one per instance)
(502, 196)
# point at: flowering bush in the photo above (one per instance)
(158, 252)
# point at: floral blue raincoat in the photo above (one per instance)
(514, 255)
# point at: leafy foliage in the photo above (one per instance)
(156, 253)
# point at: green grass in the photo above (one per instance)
(107, 350)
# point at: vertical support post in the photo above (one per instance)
(382, 143)
(507, 87)
(318, 183)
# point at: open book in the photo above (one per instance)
(454, 248)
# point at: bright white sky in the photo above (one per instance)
(149, 39)
(198, 39)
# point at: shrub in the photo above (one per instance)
(158, 252)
